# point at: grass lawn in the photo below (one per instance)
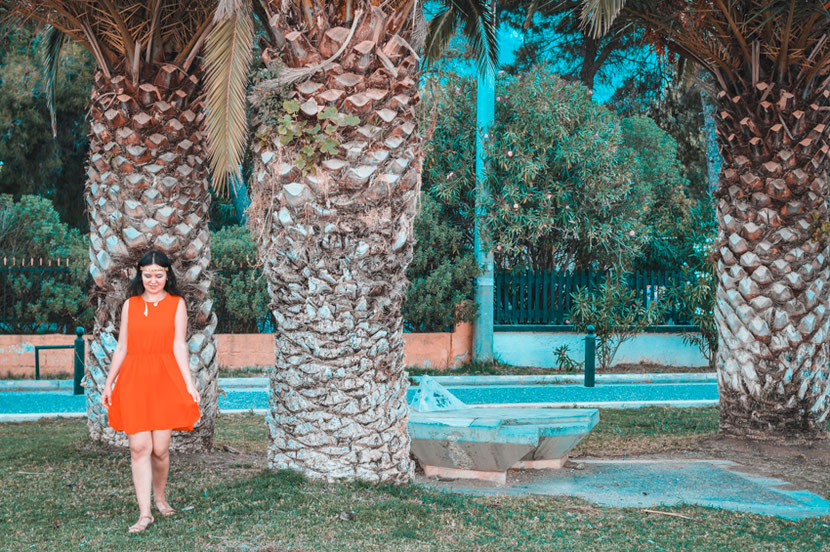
(59, 491)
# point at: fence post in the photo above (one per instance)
(590, 356)
(37, 362)
(79, 360)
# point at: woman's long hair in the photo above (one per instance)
(156, 257)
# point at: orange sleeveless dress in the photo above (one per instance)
(150, 392)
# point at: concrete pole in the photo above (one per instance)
(483, 326)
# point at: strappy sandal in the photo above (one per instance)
(142, 524)
(165, 509)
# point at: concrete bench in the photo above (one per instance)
(452, 440)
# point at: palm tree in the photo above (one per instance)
(770, 63)
(147, 181)
(336, 179)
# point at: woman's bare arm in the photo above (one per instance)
(118, 355)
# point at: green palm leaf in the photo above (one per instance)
(51, 42)
(228, 54)
(478, 24)
(600, 14)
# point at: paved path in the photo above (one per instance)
(651, 483)
(251, 394)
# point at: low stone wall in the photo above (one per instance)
(520, 348)
(425, 350)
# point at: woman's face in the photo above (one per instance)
(153, 277)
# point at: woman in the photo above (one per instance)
(154, 393)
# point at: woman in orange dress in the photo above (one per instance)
(154, 391)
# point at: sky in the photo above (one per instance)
(509, 40)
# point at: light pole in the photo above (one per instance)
(483, 326)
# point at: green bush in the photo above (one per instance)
(696, 292)
(240, 294)
(441, 274)
(652, 155)
(41, 298)
(616, 314)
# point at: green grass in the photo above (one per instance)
(647, 430)
(59, 491)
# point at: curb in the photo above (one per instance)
(702, 403)
(687, 377)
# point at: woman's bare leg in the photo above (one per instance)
(141, 446)
(161, 466)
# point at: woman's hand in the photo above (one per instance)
(194, 393)
(106, 396)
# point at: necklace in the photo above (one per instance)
(155, 303)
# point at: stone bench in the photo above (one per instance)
(452, 440)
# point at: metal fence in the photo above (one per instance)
(546, 296)
(30, 303)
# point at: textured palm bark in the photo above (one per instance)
(335, 243)
(147, 188)
(772, 307)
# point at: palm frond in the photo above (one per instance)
(600, 14)
(51, 43)
(477, 19)
(228, 54)
(440, 31)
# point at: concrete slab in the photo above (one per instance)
(649, 483)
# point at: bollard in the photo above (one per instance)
(80, 356)
(590, 356)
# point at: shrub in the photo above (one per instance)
(42, 298)
(441, 273)
(695, 294)
(239, 291)
(616, 314)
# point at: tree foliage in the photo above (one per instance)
(441, 274)
(41, 298)
(560, 193)
(571, 186)
(35, 162)
(239, 293)
(653, 156)
(553, 34)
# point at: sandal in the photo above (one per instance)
(143, 523)
(165, 509)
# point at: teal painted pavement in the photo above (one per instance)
(651, 483)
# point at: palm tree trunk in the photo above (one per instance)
(772, 308)
(335, 242)
(148, 188)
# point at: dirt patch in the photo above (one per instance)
(804, 465)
